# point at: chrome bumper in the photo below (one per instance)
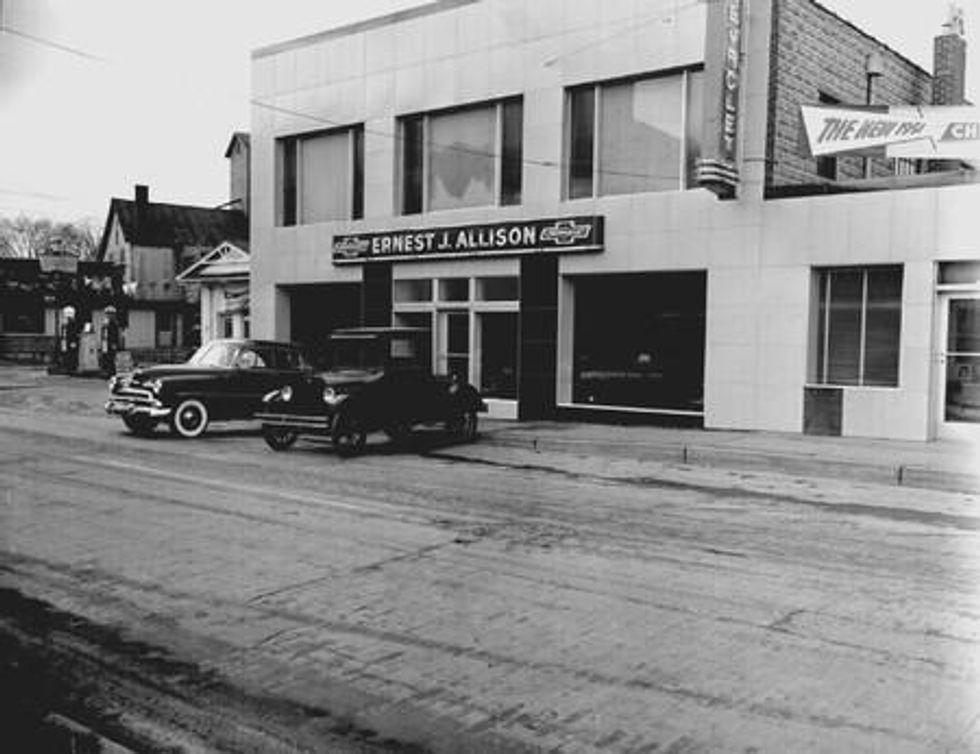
(124, 407)
(311, 423)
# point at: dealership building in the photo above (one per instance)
(609, 209)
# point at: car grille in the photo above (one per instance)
(134, 395)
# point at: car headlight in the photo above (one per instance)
(286, 393)
(329, 395)
(113, 381)
(154, 386)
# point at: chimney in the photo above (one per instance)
(949, 61)
(142, 200)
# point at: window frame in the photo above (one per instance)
(289, 175)
(821, 329)
(687, 179)
(416, 177)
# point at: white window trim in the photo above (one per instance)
(299, 139)
(598, 104)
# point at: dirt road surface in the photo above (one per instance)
(212, 595)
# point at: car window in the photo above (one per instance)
(213, 355)
(249, 359)
(290, 358)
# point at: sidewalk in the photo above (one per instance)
(942, 465)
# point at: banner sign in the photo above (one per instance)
(563, 234)
(937, 132)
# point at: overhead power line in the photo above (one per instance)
(34, 195)
(456, 148)
(48, 42)
(631, 26)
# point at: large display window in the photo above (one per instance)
(639, 341)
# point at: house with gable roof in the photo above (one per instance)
(163, 246)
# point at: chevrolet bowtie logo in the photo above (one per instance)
(565, 232)
(352, 246)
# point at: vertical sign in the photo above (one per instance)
(731, 79)
(717, 170)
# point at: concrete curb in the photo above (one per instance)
(694, 454)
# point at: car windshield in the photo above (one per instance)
(355, 353)
(214, 355)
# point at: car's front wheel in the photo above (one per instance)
(190, 418)
(141, 426)
(279, 438)
(348, 436)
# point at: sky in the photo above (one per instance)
(99, 95)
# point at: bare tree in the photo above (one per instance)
(27, 238)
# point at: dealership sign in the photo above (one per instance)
(562, 234)
(911, 132)
(717, 169)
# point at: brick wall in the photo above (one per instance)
(815, 51)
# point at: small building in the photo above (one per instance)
(607, 209)
(222, 279)
(155, 242)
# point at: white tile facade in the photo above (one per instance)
(759, 255)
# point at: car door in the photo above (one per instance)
(253, 375)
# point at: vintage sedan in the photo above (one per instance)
(223, 380)
(378, 378)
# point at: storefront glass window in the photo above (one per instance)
(963, 361)
(407, 291)
(859, 326)
(456, 354)
(497, 289)
(959, 273)
(498, 355)
(882, 327)
(639, 341)
(454, 289)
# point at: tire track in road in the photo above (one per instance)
(469, 627)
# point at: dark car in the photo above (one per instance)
(223, 380)
(378, 379)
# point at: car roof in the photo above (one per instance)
(252, 342)
(354, 332)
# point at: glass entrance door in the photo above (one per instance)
(960, 389)
(454, 343)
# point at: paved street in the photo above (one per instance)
(492, 598)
